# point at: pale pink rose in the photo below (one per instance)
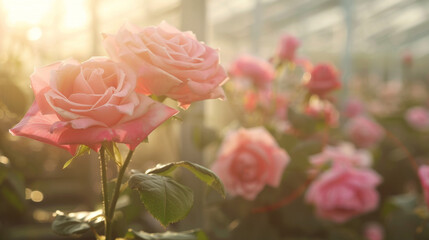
(353, 108)
(254, 70)
(344, 192)
(248, 160)
(364, 132)
(324, 78)
(424, 180)
(418, 118)
(343, 154)
(374, 231)
(168, 62)
(287, 47)
(88, 103)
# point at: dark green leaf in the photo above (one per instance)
(114, 153)
(76, 224)
(82, 149)
(196, 234)
(167, 200)
(199, 171)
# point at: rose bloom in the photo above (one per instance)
(259, 72)
(364, 132)
(374, 231)
(89, 103)
(418, 118)
(168, 62)
(287, 47)
(344, 192)
(324, 78)
(353, 108)
(343, 154)
(248, 160)
(424, 180)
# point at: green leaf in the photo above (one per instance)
(76, 224)
(82, 149)
(204, 174)
(196, 234)
(114, 153)
(167, 200)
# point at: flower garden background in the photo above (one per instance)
(214, 120)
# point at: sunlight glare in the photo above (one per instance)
(70, 14)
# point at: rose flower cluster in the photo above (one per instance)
(108, 99)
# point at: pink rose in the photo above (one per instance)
(374, 231)
(418, 117)
(168, 62)
(353, 108)
(343, 154)
(248, 160)
(363, 131)
(324, 78)
(344, 192)
(424, 180)
(258, 71)
(88, 103)
(287, 47)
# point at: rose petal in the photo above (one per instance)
(37, 126)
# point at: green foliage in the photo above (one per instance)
(167, 200)
(82, 149)
(76, 224)
(11, 191)
(196, 234)
(202, 173)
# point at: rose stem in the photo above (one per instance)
(115, 197)
(103, 170)
(287, 199)
(398, 143)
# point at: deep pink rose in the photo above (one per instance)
(353, 108)
(168, 62)
(324, 78)
(364, 132)
(88, 103)
(418, 118)
(424, 180)
(343, 154)
(248, 160)
(254, 70)
(374, 231)
(344, 192)
(287, 47)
